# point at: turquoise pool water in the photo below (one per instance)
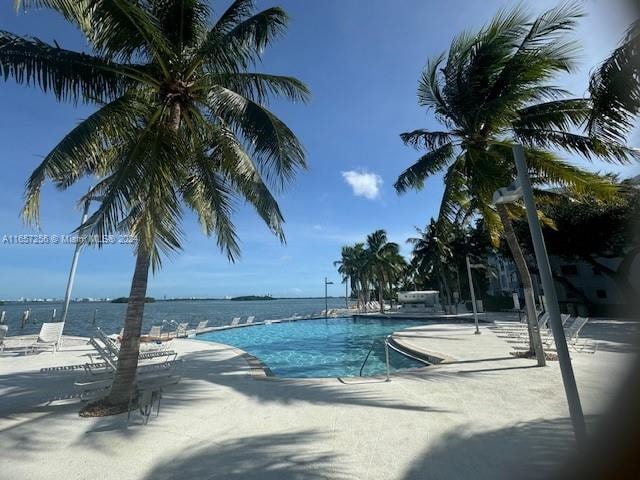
(334, 347)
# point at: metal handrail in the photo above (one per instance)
(386, 354)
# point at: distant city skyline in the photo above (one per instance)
(362, 66)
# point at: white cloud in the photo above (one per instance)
(317, 227)
(364, 184)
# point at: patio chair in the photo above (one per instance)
(250, 320)
(3, 333)
(50, 336)
(202, 325)
(235, 322)
(181, 329)
(155, 332)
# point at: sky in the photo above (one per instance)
(362, 61)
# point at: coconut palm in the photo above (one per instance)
(350, 266)
(615, 89)
(382, 259)
(491, 89)
(181, 124)
(430, 254)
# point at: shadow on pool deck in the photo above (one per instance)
(281, 456)
(528, 450)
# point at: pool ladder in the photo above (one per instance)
(386, 354)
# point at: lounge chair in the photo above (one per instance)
(155, 332)
(50, 336)
(181, 329)
(3, 333)
(202, 325)
(250, 320)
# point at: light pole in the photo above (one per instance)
(76, 255)
(524, 190)
(326, 301)
(473, 296)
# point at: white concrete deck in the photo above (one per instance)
(483, 415)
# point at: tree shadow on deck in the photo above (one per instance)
(526, 451)
(281, 456)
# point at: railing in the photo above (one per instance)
(387, 346)
(386, 354)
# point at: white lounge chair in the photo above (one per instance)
(155, 332)
(181, 329)
(50, 336)
(250, 320)
(202, 325)
(235, 322)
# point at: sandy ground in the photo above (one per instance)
(484, 414)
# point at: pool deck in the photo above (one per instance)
(480, 414)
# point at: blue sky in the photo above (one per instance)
(362, 61)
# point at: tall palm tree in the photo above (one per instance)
(382, 256)
(491, 89)
(615, 89)
(350, 266)
(181, 122)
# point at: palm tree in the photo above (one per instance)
(382, 257)
(491, 89)
(430, 254)
(615, 89)
(181, 122)
(350, 265)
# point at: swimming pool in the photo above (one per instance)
(335, 347)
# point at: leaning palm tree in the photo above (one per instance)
(494, 88)
(181, 124)
(381, 257)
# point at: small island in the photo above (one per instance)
(126, 300)
(251, 298)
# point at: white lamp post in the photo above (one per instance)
(522, 189)
(76, 255)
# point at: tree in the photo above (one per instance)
(181, 122)
(351, 266)
(492, 89)
(615, 89)
(383, 259)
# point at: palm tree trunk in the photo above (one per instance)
(124, 380)
(535, 343)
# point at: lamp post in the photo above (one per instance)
(346, 293)
(326, 301)
(473, 296)
(523, 190)
(76, 255)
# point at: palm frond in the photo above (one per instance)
(426, 139)
(432, 162)
(273, 145)
(615, 90)
(588, 147)
(260, 87)
(69, 75)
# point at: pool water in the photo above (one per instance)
(335, 347)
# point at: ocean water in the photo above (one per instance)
(110, 316)
(335, 347)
